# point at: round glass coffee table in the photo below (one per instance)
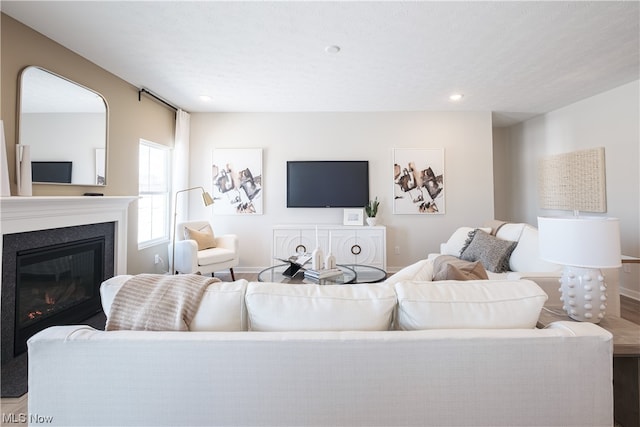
(275, 274)
(351, 273)
(367, 273)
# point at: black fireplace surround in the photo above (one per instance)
(52, 277)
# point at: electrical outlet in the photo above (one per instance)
(626, 268)
(156, 259)
(397, 250)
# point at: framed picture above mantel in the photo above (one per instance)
(418, 181)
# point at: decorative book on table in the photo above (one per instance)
(322, 274)
(295, 264)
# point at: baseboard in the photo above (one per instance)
(630, 293)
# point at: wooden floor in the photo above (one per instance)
(629, 309)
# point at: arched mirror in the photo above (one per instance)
(65, 124)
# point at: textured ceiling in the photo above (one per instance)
(516, 59)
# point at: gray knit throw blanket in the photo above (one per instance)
(156, 302)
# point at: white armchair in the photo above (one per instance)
(189, 259)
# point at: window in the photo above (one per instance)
(155, 196)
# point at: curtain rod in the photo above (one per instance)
(153, 95)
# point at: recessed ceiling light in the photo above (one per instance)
(332, 49)
(205, 98)
(456, 97)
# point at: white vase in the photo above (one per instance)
(5, 186)
(372, 221)
(317, 259)
(23, 170)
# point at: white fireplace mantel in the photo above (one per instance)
(23, 214)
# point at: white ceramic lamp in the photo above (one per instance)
(584, 245)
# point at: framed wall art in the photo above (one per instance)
(418, 181)
(237, 181)
(353, 217)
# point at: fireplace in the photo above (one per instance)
(29, 223)
(56, 285)
(52, 277)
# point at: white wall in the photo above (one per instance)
(66, 137)
(610, 120)
(466, 138)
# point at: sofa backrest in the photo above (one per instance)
(309, 307)
(410, 305)
(524, 258)
(526, 255)
(474, 304)
(558, 376)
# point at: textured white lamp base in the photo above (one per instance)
(584, 294)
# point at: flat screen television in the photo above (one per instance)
(51, 172)
(327, 184)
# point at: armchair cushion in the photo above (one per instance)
(204, 236)
(215, 256)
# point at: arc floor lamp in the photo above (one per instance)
(206, 199)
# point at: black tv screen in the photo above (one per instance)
(327, 184)
(51, 172)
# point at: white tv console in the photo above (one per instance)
(349, 244)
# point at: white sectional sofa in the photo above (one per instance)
(524, 262)
(392, 354)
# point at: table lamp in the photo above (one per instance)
(583, 245)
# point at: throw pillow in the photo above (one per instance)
(451, 268)
(492, 252)
(456, 242)
(203, 237)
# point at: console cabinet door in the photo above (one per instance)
(350, 245)
(287, 242)
(365, 245)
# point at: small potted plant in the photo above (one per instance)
(371, 209)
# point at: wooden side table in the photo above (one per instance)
(626, 363)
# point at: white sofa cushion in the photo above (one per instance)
(526, 255)
(481, 304)
(222, 307)
(510, 231)
(420, 271)
(457, 240)
(310, 307)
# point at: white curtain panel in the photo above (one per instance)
(181, 162)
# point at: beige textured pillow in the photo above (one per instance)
(451, 268)
(203, 237)
(451, 272)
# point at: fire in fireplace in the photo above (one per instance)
(55, 285)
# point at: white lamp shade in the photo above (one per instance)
(592, 242)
